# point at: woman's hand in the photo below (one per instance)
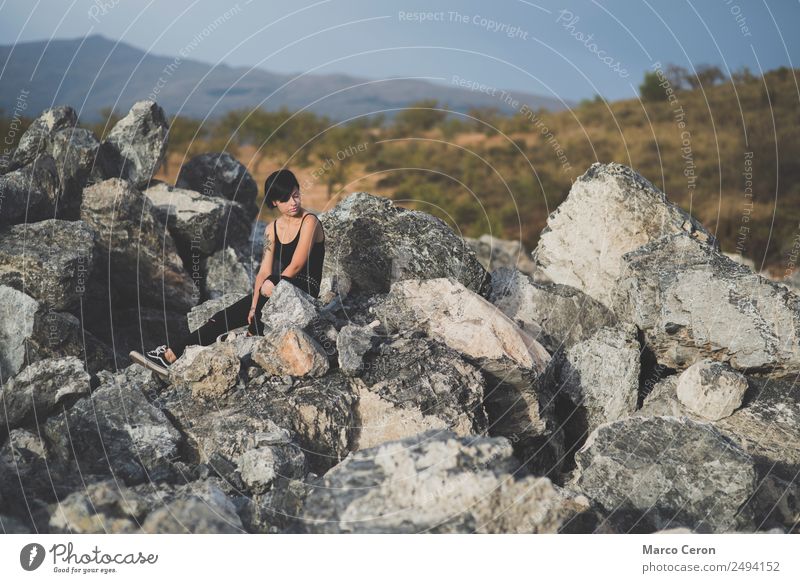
(251, 315)
(266, 288)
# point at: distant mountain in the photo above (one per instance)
(95, 72)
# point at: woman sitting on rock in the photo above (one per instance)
(298, 261)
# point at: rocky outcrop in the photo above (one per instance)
(225, 274)
(610, 211)
(692, 303)
(220, 175)
(81, 160)
(38, 138)
(653, 473)
(137, 144)
(371, 244)
(36, 391)
(436, 482)
(142, 257)
(29, 193)
(199, 224)
(558, 316)
(50, 260)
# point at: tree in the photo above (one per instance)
(650, 89)
(420, 116)
(705, 75)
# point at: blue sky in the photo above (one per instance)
(539, 47)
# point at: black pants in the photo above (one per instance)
(234, 316)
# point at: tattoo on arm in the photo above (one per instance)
(267, 247)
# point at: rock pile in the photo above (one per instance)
(650, 385)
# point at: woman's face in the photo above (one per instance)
(290, 208)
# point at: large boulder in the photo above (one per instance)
(558, 316)
(437, 482)
(370, 243)
(134, 246)
(409, 385)
(39, 135)
(517, 395)
(50, 260)
(494, 253)
(116, 431)
(290, 351)
(137, 144)
(692, 303)
(210, 373)
(30, 332)
(225, 274)
(199, 224)
(29, 193)
(610, 211)
(220, 175)
(652, 473)
(36, 391)
(81, 160)
(196, 508)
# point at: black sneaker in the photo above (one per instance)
(154, 360)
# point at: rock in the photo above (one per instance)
(145, 265)
(436, 482)
(201, 313)
(210, 373)
(39, 388)
(653, 473)
(220, 175)
(199, 224)
(711, 389)
(494, 253)
(197, 508)
(139, 141)
(38, 137)
(289, 306)
(262, 466)
(290, 351)
(410, 385)
(321, 412)
(517, 395)
(352, 344)
(29, 193)
(558, 316)
(115, 431)
(739, 258)
(226, 274)
(80, 161)
(600, 377)
(50, 260)
(101, 508)
(610, 211)
(29, 332)
(692, 303)
(663, 400)
(371, 243)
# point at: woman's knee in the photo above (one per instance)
(266, 290)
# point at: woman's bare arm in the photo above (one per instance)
(308, 233)
(265, 269)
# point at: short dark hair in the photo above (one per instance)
(279, 187)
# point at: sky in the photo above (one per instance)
(570, 49)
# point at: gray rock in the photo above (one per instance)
(663, 400)
(436, 482)
(29, 332)
(289, 306)
(197, 508)
(201, 313)
(116, 430)
(290, 351)
(711, 389)
(409, 385)
(105, 507)
(140, 142)
(145, 265)
(610, 211)
(352, 344)
(263, 466)
(600, 376)
(39, 388)
(692, 303)
(38, 137)
(199, 224)
(558, 316)
(50, 260)
(210, 373)
(80, 161)
(494, 253)
(516, 367)
(371, 243)
(29, 193)
(653, 473)
(220, 175)
(226, 274)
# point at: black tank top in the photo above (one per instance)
(308, 279)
